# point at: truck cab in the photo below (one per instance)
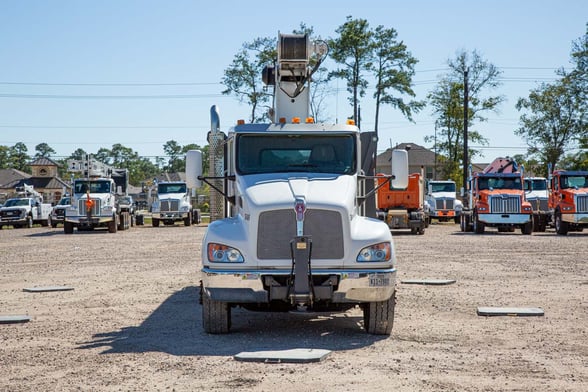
(568, 200)
(172, 204)
(536, 193)
(496, 198)
(442, 201)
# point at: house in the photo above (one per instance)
(418, 156)
(44, 179)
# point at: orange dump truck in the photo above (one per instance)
(403, 208)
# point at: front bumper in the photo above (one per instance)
(506, 219)
(84, 221)
(349, 286)
(176, 215)
(575, 218)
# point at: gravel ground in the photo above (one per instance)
(133, 322)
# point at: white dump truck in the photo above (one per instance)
(293, 235)
(172, 204)
(25, 209)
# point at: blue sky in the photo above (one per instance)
(66, 63)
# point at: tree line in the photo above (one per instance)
(553, 119)
(119, 156)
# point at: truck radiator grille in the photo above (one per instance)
(539, 204)
(505, 204)
(277, 228)
(170, 205)
(582, 204)
(444, 204)
(95, 207)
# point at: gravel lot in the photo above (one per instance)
(133, 323)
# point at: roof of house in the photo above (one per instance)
(43, 161)
(417, 155)
(40, 183)
(8, 176)
(170, 177)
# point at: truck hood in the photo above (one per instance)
(265, 192)
(173, 196)
(438, 195)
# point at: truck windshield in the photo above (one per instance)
(92, 186)
(574, 182)
(296, 153)
(171, 188)
(16, 202)
(500, 183)
(443, 187)
(539, 185)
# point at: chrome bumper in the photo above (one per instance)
(246, 286)
(512, 219)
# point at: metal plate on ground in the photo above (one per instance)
(433, 282)
(297, 355)
(490, 311)
(47, 288)
(14, 319)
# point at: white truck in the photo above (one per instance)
(442, 201)
(94, 201)
(293, 237)
(172, 204)
(537, 193)
(26, 209)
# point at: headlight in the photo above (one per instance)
(376, 253)
(218, 253)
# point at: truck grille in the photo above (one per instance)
(12, 214)
(278, 227)
(505, 204)
(539, 204)
(444, 204)
(169, 205)
(582, 203)
(95, 207)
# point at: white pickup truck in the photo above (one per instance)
(25, 210)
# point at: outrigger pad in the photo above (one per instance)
(297, 355)
(489, 311)
(14, 319)
(434, 282)
(47, 288)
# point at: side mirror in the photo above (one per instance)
(399, 169)
(193, 168)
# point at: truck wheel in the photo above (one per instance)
(561, 227)
(216, 316)
(478, 226)
(378, 317)
(188, 219)
(112, 225)
(68, 227)
(155, 222)
(527, 228)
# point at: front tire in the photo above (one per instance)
(527, 228)
(378, 317)
(479, 227)
(561, 227)
(216, 316)
(68, 227)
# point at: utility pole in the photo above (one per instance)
(465, 134)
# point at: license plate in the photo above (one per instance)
(379, 280)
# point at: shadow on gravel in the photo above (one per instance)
(175, 327)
